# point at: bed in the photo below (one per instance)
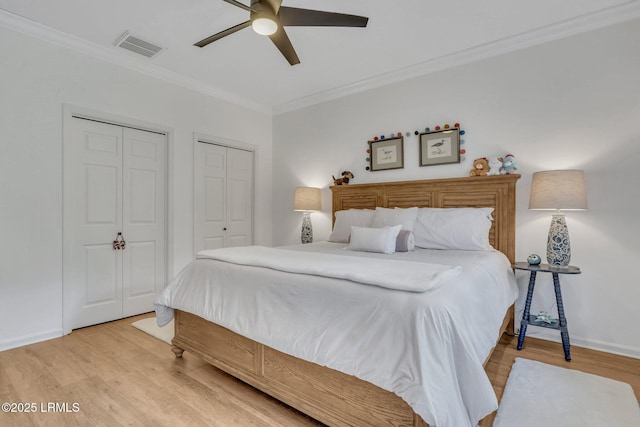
(302, 379)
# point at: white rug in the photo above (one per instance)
(150, 326)
(541, 395)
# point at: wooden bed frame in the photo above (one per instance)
(332, 397)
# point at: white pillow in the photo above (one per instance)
(384, 217)
(348, 218)
(382, 240)
(405, 242)
(455, 228)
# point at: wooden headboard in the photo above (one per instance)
(498, 192)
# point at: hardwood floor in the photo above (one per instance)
(118, 375)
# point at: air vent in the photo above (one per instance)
(137, 45)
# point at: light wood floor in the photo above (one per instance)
(118, 375)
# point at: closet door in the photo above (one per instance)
(143, 213)
(113, 183)
(92, 270)
(210, 191)
(239, 201)
(223, 188)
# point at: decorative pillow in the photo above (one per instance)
(382, 240)
(405, 241)
(348, 218)
(456, 228)
(388, 217)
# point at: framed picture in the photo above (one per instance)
(440, 147)
(387, 154)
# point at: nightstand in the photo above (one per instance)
(528, 319)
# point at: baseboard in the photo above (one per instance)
(545, 335)
(603, 346)
(610, 348)
(30, 339)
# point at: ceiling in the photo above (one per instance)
(403, 39)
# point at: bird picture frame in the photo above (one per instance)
(440, 147)
(387, 154)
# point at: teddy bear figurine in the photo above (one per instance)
(480, 167)
(509, 165)
(495, 163)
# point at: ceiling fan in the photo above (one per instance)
(268, 17)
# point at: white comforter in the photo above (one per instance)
(426, 347)
(392, 274)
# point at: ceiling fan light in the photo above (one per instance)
(264, 26)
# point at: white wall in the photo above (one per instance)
(36, 79)
(573, 103)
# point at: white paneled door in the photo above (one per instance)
(223, 180)
(114, 182)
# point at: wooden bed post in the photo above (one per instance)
(177, 351)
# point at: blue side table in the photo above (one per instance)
(528, 319)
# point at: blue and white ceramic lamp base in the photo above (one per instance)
(307, 231)
(558, 245)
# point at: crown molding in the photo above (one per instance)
(35, 29)
(610, 16)
(580, 24)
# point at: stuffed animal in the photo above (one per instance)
(480, 167)
(495, 163)
(509, 165)
(346, 176)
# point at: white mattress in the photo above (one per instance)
(426, 347)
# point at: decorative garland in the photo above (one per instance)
(463, 150)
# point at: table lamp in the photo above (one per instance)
(307, 199)
(558, 190)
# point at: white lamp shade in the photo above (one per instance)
(560, 189)
(307, 199)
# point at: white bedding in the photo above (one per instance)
(426, 347)
(392, 274)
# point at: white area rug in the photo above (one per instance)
(541, 395)
(150, 326)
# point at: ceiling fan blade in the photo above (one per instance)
(292, 16)
(240, 5)
(221, 34)
(282, 42)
